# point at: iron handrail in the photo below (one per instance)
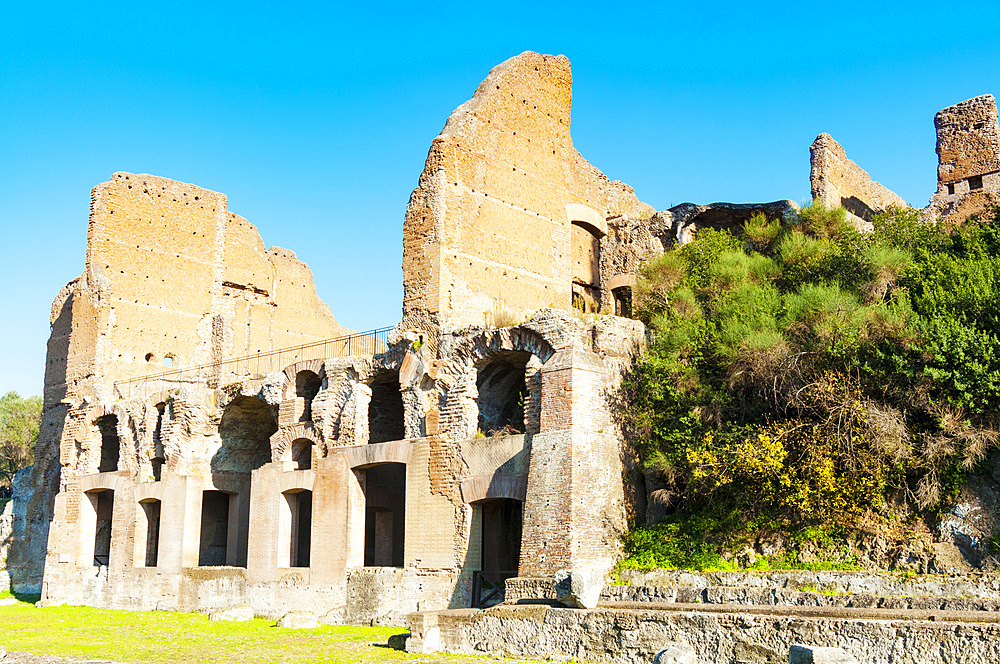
(372, 342)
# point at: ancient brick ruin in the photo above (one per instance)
(968, 149)
(212, 437)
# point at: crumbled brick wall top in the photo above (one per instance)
(488, 228)
(968, 139)
(174, 279)
(837, 181)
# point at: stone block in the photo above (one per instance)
(233, 613)
(676, 652)
(398, 641)
(298, 620)
(7, 601)
(580, 588)
(800, 654)
(333, 617)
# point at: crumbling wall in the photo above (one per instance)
(488, 230)
(837, 181)
(968, 148)
(172, 280)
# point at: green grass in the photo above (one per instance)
(169, 636)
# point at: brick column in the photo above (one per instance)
(574, 508)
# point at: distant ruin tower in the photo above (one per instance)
(968, 148)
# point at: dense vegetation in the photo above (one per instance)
(806, 377)
(19, 422)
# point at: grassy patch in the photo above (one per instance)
(168, 636)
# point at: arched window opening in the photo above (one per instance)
(302, 452)
(151, 513)
(502, 393)
(103, 503)
(110, 443)
(385, 503)
(215, 538)
(158, 456)
(296, 528)
(623, 301)
(500, 522)
(385, 412)
(586, 267)
(307, 385)
(246, 428)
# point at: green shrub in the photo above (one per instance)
(801, 376)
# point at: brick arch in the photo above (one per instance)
(457, 376)
(342, 380)
(125, 428)
(163, 396)
(281, 440)
(318, 367)
(498, 485)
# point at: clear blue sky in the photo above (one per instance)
(315, 118)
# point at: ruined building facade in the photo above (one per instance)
(968, 149)
(213, 437)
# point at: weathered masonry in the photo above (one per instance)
(212, 436)
(968, 148)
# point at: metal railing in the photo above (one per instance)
(488, 588)
(258, 365)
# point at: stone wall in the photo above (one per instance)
(13, 525)
(837, 181)
(200, 507)
(488, 230)
(726, 636)
(172, 279)
(968, 148)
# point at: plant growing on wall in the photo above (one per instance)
(803, 374)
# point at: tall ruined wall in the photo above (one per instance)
(170, 273)
(968, 139)
(968, 148)
(172, 280)
(490, 225)
(837, 181)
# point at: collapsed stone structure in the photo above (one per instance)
(968, 149)
(212, 437)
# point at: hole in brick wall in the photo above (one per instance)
(110, 443)
(151, 513)
(586, 248)
(307, 386)
(213, 543)
(298, 516)
(302, 451)
(501, 534)
(975, 182)
(246, 428)
(103, 504)
(623, 301)
(385, 411)
(502, 393)
(168, 361)
(158, 456)
(385, 501)
(951, 189)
